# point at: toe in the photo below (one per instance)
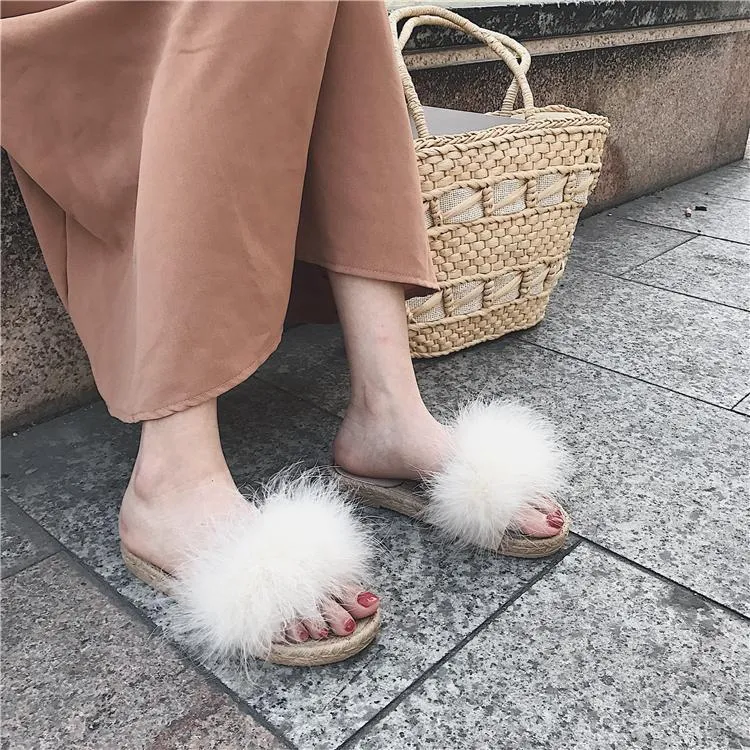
(339, 620)
(317, 628)
(537, 523)
(548, 506)
(297, 632)
(359, 603)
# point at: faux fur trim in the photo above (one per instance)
(505, 456)
(253, 574)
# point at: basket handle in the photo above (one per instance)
(511, 52)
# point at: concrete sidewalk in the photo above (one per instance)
(634, 636)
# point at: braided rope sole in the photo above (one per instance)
(309, 654)
(405, 498)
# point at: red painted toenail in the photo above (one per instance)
(303, 635)
(367, 599)
(323, 633)
(349, 626)
(554, 521)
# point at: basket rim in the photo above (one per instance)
(502, 132)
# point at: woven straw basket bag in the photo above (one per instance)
(500, 204)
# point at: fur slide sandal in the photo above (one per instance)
(249, 576)
(504, 459)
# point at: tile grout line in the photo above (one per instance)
(29, 528)
(661, 226)
(661, 576)
(747, 395)
(678, 188)
(631, 377)
(660, 288)
(524, 342)
(13, 432)
(395, 702)
(30, 525)
(127, 606)
(658, 255)
(299, 397)
(30, 563)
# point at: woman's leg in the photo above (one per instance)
(387, 430)
(180, 482)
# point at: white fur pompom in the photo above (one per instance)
(254, 573)
(505, 456)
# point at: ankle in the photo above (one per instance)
(165, 503)
(156, 476)
(390, 439)
(385, 404)
(177, 451)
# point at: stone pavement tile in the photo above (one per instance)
(69, 474)
(725, 218)
(598, 655)
(744, 163)
(23, 542)
(660, 477)
(729, 181)
(689, 345)
(744, 406)
(78, 672)
(311, 362)
(704, 267)
(613, 245)
(433, 596)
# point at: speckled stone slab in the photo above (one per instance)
(23, 542)
(311, 363)
(689, 345)
(730, 182)
(597, 656)
(724, 218)
(78, 672)
(70, 473)
(44, 366)
(704, 267)
(613, 245)
(660, 477)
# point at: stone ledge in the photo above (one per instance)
(418, 59)
(44, 367)
(541, 19)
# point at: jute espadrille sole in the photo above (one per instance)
(308, 654)
(404, 496)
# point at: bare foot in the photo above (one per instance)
(409, 443)
(180, 485)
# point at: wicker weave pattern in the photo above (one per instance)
(451, 335)
(500, 205)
